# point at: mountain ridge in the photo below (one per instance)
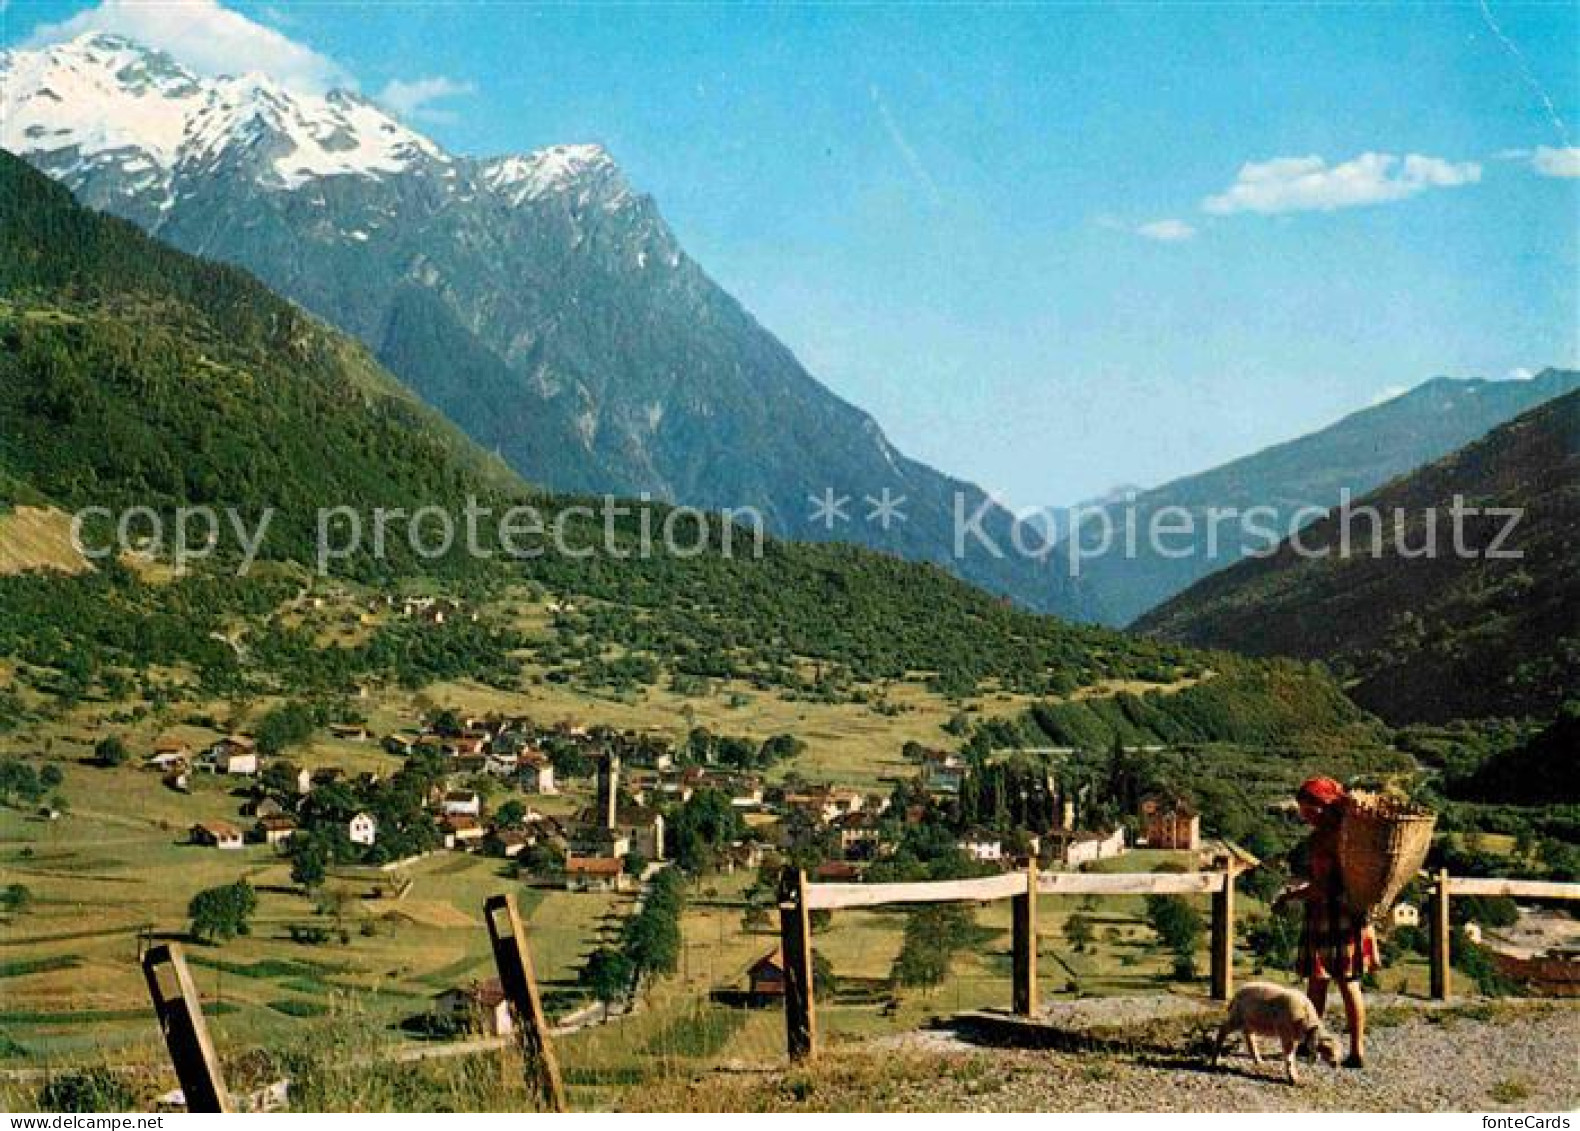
(1358, 452)
(1425, 639)
(606, 360)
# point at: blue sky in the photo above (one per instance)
(1050, 247)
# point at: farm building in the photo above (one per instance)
(236, 754)
(594, 873)
(509, 843)
(766, 976)
(217, 834)
(275, 828)
(479, 1007)
(168, 754)
(461, 830)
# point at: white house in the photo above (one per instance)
(1406, 915)
(536, 774)
(461, 803)
(363, 829)
(984, 849)
(1084, 848)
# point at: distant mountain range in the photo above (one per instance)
(1358, 453)
(538, 300)
(1426, 639)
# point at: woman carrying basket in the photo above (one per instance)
(1335, 944)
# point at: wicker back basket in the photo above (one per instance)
(1382, 844)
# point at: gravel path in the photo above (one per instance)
(1475, 1059)
(1149, 1055)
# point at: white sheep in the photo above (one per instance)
(1265, 1009)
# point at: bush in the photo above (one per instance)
(93, 1089)
(110, 751)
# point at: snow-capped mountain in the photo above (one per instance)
(539, 300)
(101, 112)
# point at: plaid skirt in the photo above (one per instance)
(1335, 943)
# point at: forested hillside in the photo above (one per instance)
(1426, 638)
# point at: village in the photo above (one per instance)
(599, 810)
(488, 770)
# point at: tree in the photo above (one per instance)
(1078, 931)
(19, 782)
(511, 815)
(279, 779)
(309, 862)
(110, 751)
(1178, 924)
(51, 777)
(289, 724)
(933, 935)
(15, 898)
(652, 942)
(704, 825)
(607, 976)
(541, 859)
(224, 912)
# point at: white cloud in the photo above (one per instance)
(205, 37)
(412, 99)
(1520, 373)
(1310, 184)
(1563, 162)
(1168, 231)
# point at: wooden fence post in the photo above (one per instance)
(1223, 936)
(181, 1021)
(520, 983)
(795, 945)
(1442, 978)
(1023, 944)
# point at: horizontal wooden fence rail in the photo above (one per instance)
(1514, 889)
(835, 897)
(1446, 887)
(797, 898)
(1131, 883)
(985, 889)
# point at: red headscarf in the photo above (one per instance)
(1320, 791)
